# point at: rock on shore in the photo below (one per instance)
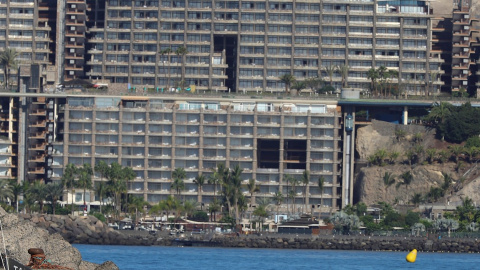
(20, 235)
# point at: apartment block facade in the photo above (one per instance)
(246, 46)
(268, 139)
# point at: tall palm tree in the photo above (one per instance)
(102, 168)
(252, 188)
(213, 208)
(85, 180)
(200, 182)
(37, 192)
(343, 70)
(305, 181)
(330, 70)
(382, 74)
(233, 188)
(314, 83)
(6, 191)
(136, 204)
(53, 193)
(178, 184)
(298, 86)
(17, 189)
(287, 79)
(293, 192)
(321, 187)
(388, 180)
(182, 51)
(278, 199)
(217, 176)
(100, 191)
(392, 74)
(372, 74)
(68, 180)
(8, 60)
(117, 182)
(432, 78)
(168, 51)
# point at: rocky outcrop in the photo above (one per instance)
(370, 188)
(21, 235)
(90, 230)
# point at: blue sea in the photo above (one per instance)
(179, 258)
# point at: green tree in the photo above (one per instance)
(213, 208)
(53, 193)
(6, 191)
(200, 182)
(68, 180)
(305, 180)
(462, 123)
(168, 52)
(17, 189)
(287, 79)
(407, 178)
(178, 184)
(189, 207)
(298, 86)
(182, 51)
(37, 192)
(252, 188)
(117, 182)
(343, 70)
(8, 61)
(417, 199)
(382, 74)
(330, 70)
(439, 112)
(261, 213)
(216, 178)
(391, 74)
(321, 187)
(431, 154)
(136, 204)
(85, 179)
(388, 180)
(373, 75)
(278, 199)
(456, 151)
(314, 83)
(101, 190)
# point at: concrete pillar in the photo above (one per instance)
(405, 115)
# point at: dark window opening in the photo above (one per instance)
(268, 154)
(295, 154)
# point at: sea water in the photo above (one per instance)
(198, 258)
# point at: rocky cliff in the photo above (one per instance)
(19, 235)
(369, 184)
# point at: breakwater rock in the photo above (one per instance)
(90, 230)
(21, 235)
(467, 245)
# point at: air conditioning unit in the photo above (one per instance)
(72, 28)
(466, 16)
(466, 27)
(72, 50)
(72, 17)
(73, 6)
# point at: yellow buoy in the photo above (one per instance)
(412, 256)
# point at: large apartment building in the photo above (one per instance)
(241, 46)
(247, 45)
(268, 139)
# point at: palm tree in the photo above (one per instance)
(200, 182)
(6, 191)
(416, 199)
(278, 199)
(68, 180)
(432, 78)
(287, 178)
(252, 188)
(293, 192)
(37, 192)
(85, 180)
(391, 74)
(388, 180)
(372, 74)
(53, 193)
(213, 208)
(100, 191)
(440, 111)
(287, 79)
(189, 207)
(314, 83)
(167, 51)
(102, 168)
(182, 51)
(305, 181)
(234, 185)
(178, 184)
(321, 186)
(382, 74)
(117, 181)
(135, 204)
(298, 86)
(8, 61)
(456, 151)
(17, 189)
(343, 70)
(217, 176)
(330, 70)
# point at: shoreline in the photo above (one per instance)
(89, 230)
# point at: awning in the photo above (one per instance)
(134, 98)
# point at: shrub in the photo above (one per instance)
(200, 216)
